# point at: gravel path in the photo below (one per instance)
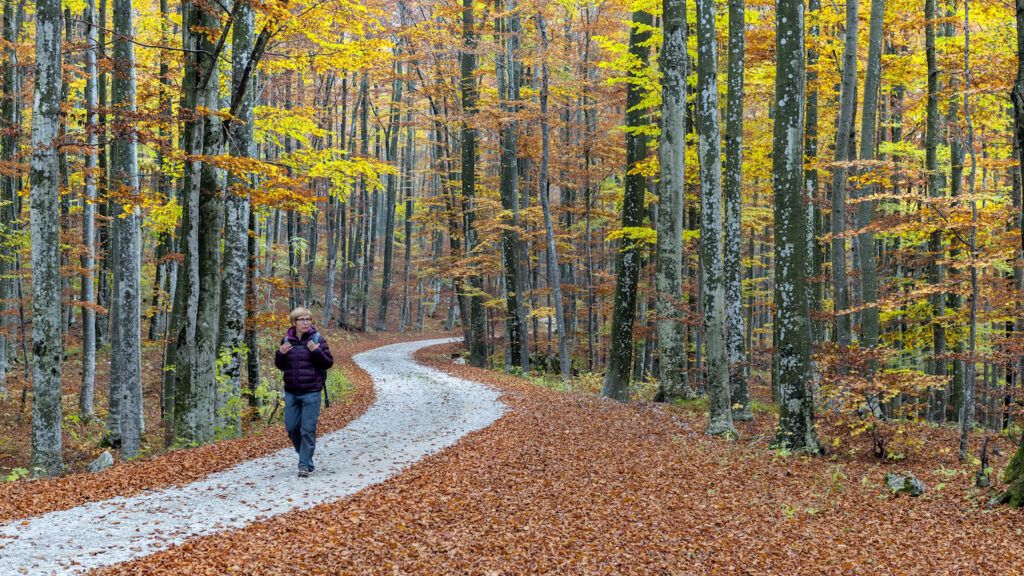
(418, 411)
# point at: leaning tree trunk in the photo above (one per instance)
(627, 259)
(47, 344)
(792, 317)
(554, 274)
(126, 351)
(733, 215)
(668, 279)
(844, 136)
(711, 257)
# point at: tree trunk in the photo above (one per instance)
(126, 350)
(792, 319)
(966, 419)
(937, 366)
(85, 400)
(554, 273)
(391, 151)
(866, 206)
(711, 257)
(740, 399)
(508, 70)
(234, 285)
(672, 382)
(627, 260)
(467, 60)
(47, 344)
(844, 137)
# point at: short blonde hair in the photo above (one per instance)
(298, 312)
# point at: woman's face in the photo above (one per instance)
(302, 324)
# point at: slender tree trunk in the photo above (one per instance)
(866, 206)
(814, 205)
(627, 260)
(467, 59)
(740, 399)
(844, 136)
(391, 198)
(966, 419)
(85, 400)
(792, 317)
(508, 70)
(935, 244)
(47, 343)
(554, 273)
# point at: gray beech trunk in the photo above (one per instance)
(627, 259)
(792, 315)
(672, 380)
(711, 255)
(126, 350)
(936, 250)
(86, 398)
(733, 215)
(391, 197)
(236, 229)
(47, 344)
(966, 416)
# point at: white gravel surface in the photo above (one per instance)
(418, 411)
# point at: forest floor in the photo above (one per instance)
(568, 483)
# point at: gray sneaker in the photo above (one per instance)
(304, 472)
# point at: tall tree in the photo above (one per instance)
(869, 316)
(126, 353)
(792, 315)
(844, 140)
(966, 416)
(85, 399)
(509, 69)
(734, 215)
(672, 381)
(711, 254)
(627, 258)
(467, 82)
(236, 223)
(1013, 475)
(934, 189)
(47, 343)
(554, 275)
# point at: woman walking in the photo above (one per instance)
(304, 357)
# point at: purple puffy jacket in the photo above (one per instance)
(304, 371)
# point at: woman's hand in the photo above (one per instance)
(285, 348)
(312, 345)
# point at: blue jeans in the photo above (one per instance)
(301, 412)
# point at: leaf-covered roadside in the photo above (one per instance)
(567, 484)
(24, 498)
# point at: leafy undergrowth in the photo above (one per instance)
(27, 498)
(572, 484)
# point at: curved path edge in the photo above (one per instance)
(418, 411)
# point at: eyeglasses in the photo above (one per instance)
(307, 320)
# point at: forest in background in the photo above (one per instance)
(819, 205)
